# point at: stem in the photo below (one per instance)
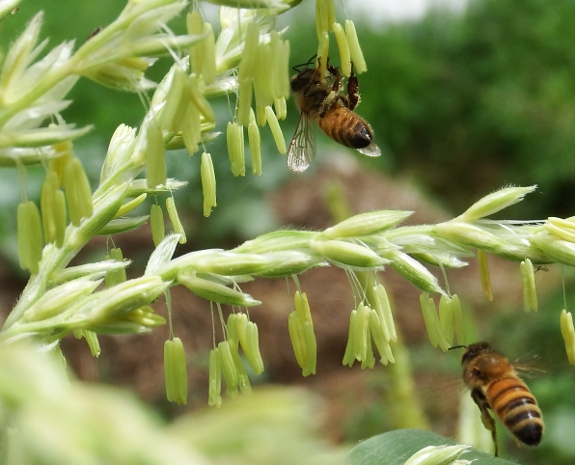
(168, 296)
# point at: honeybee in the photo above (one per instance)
(495, 386)
(322, 101)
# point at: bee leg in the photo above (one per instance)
(486, 418)
(489, 424)
(336, 86)
(317, 73)
(329, 100)
(352, 90)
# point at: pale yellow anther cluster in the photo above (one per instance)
(371, 323)
(208, 178)
(528, 282)
(440, 327)
(235, 140)
(263, 76)
(300, 326)
(346, 37)
(130, 205)
(186, 113)
(255, 143)
(233, 369)
(33, 88)
(175, 219)
(202, 54)
(91, 339)
(568, 333)
(484, 274)
(53, 208)
(157, 224)
(175, 373)
(78, 193)
(263, 72)
(225, 358)
(117, 276)
(34, 230)
(155, 157)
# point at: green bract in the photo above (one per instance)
(348, 254)
(366, 224)
(214, 291)
(495, 202)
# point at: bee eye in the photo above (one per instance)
(477, 373)
(297, 83)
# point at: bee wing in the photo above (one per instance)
(531, 367)
(371, 150)
(301, 149)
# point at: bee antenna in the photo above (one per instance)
(306, 64)
(457, 347)
(310, 61)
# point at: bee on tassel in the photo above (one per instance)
(322, 101)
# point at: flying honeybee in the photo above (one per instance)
(322, 101)
(495, 386)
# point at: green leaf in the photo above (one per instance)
(395, 447)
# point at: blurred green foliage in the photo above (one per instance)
(63, 421)
(468, 103)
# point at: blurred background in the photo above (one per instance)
(464, 98)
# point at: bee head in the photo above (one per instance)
(303, 78)
(473, 373)
(481, 362)
(474, 350)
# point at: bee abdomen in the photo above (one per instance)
(526, 425)
(516, 406)
(347, 128)
(361, 135)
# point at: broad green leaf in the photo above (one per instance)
(395, 447)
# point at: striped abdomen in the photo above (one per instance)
(346, 127)
(514, 404)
